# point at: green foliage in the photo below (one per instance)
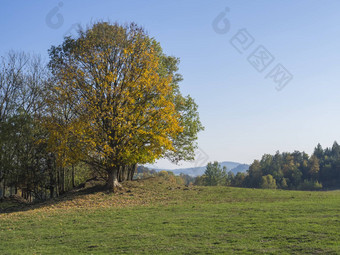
(296, 170)
(313, 167)
(284, 184)
(200, 180)
(268, 182)
(239, 180)
(82, 172)
(144, 172)
(163, 174)
(255, 174)
(187, 179)
(171, 177)
(185, 142)
(310, 185)
(215, 175)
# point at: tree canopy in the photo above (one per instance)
(122, 94)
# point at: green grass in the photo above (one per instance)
(153, 218)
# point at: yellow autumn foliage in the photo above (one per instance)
(110, 104)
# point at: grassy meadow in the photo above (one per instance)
(155, 216)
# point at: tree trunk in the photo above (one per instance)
(123, 173)
(51, 191)
(126, 173)
(73, 183)
(57, 182)
(125, 169)
(128, 170)
(1, 189)
(4, 188)
(112, 180)
(52, 184)
(120, 173)
(132, 171)
(63, 186)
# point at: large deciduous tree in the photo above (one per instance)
(122, 91)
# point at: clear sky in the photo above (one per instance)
(243, 113)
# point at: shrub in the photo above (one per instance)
(310, 185)
(268, 182)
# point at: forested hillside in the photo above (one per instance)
(296, 170)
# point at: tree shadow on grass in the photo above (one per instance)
(15, 204)
(145, 188)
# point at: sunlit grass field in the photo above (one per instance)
(158, 217)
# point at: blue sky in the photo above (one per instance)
(243, 114)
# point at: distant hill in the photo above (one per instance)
(195, 171)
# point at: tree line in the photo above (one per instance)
(107, 100)
(285, 170)
(144, 172)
